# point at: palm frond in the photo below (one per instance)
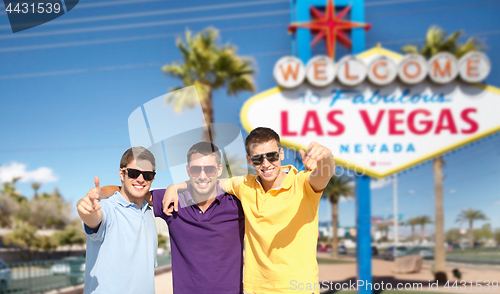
(337, 187)
(209, 66)
(436, 41)
(410, 49)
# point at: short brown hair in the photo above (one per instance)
(261, 135)
(205, 148)
(137, 153)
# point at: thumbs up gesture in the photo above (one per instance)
(89, 204)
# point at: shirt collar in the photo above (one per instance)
(188, 197)
(125, 203)
(290, 171)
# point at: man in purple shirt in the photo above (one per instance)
(206, 234)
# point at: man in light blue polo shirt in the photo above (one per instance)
(122, 239)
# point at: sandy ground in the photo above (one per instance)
(163, 283)
(382, 271)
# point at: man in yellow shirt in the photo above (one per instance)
(281, 214)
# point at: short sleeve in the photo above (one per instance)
(229, 187)
(308, 190)
(98, 236)
(157, 196)
(234, 185)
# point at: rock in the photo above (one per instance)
(408, 264)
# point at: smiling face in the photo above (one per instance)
(203, 172)
(270, 173)
(135, 189)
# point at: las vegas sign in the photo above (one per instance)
(378, 111)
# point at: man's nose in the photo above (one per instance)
(266, 162)
(203, 175)
(140, 178)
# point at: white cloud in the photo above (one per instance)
(345, 199)
(15, 169)
(377, 184)
(496, 203)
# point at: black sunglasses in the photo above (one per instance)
(195, 170)
(270, 156)
(135, 173)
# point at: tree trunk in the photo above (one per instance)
(471, 234)
(335, 220)
(412, 233)
(439, 250)
(208, 112)
(422, 234)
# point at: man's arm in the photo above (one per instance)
(170, 201)
(171, 198)
(228, 185)
(320, 159)
(108, 191)
(89, 208)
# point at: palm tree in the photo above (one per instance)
(436, 41)
(35, 187)
(10, 189)
(471, 215)
(337, 187)
(209, 67)
(439, 236)
(235, 164)
(422, 221)
(412, 222)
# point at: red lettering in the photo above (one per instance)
(371, 128)
(393, 122)
(427, 123)
(473, 124)
(311, 116)
(446, 117)
(284, 125)
(331, 118)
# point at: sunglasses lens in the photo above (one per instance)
(133, 173)
(148, 176)
(195, 170)
(272, 156)
(210, 171)
(257, 159)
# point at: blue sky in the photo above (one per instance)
(68, 87)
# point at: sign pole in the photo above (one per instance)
(395, 186)
(363, 234)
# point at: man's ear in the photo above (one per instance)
(122, 174)
(282, 154)
(219, 172)
(187, 169)
(249, 161)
